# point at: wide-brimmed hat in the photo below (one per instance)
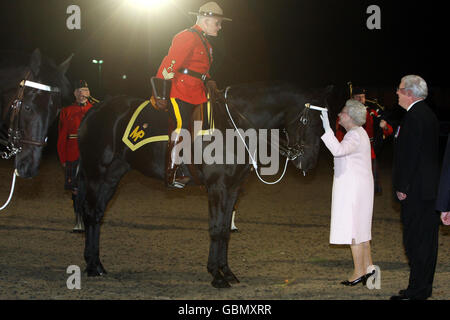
(210, 9)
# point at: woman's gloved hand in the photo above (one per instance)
(325, 121)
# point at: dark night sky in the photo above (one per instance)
(312, 42)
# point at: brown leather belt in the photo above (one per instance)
(194, 74)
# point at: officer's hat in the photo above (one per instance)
(358, 90)
(210, 9)
(81, 84)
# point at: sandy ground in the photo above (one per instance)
(155, 242)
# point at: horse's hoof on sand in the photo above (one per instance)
(231, 278)
(96, 272)
(77, 230)
(220, 283)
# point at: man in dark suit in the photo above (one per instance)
(415, 181)
(443, 199)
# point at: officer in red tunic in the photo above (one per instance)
(182, 76)
(69, 122)
(359, 94)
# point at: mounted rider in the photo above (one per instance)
(179, 84)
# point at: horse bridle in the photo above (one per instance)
(15, 139)
(292, 152)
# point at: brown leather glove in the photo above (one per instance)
(161, 104)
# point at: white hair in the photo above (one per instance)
(416, 85)
(357, 111)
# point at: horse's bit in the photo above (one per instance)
(15, 139)
(293, 152)
(297, 150)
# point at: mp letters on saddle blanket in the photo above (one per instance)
(149, 125)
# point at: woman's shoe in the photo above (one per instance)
(362, 279)
(368, 275)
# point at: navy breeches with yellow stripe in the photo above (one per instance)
(181, 112)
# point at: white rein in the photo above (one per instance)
(11, 192)
(254, 163)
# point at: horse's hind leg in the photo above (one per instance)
(98, 195)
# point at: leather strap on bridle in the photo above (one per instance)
(15, 140)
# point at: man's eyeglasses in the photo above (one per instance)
(400, 89)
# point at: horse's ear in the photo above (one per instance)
(35, 61)
(64, 66)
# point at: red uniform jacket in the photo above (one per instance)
(187, 51)
(69, 121)
(368, 126)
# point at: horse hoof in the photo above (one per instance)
(74, 230)
(231, 278)
(220, 283)
(96, 271)
(93, 273)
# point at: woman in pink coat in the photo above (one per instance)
(352, 197)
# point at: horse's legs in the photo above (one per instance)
(92, 218)
(79, 226)
(223, 246)
(92, 251)
(221, 204)
(97, 197)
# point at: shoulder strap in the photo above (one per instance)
(203, 39)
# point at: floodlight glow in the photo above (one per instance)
(147, 4)
(94, 61)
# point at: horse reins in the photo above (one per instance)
(254, 163)
(15, 139)
(290, 152)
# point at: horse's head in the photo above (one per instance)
(304, 128)
(39, 108)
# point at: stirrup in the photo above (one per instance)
(179, 182)
(177, 185)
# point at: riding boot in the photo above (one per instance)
(172, 180)
(79, 225)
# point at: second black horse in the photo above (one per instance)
(105, 158)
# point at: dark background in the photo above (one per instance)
(312, 42)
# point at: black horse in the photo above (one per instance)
(32, 88)
(104, 157)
